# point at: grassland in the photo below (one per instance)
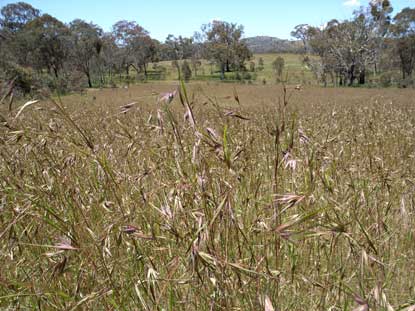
(232, 197)
(294, 72)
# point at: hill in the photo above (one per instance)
(265, 44)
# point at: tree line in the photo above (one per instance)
(38, 50)
(372, 42)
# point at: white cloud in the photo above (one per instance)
(351, 3)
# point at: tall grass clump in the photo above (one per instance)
(120, 201)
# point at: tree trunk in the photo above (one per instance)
(408, 72)
(89, 79)
(110, 75)
(55, 71)
(352, 76)
(362, 77)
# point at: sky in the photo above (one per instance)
(274, 18)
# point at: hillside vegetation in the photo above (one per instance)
(294, 72)
(265, 44)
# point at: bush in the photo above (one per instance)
(28, 82)
(408, 82)
(246, 76)
(261, 64)
(128, 80)
(385, 79)
(278, 65)
(25, 79)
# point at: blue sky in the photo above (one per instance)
(184, 17)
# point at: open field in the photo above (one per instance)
(294, 70)
(234, 198)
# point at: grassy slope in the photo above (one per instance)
(294, 69)
(142, 211)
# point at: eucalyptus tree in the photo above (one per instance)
(47, 41)
(380, 14)
(347, 49)
(137, 48)
(404, 34)
(109, 60)
(278, 66)
(15, 16)
(86, 39)
(178, 48)
(300, 32)
(224, 46)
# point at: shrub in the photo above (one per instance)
(385, 79)
(252, 66)
(25, 79)
(246, 76)
(278, 65)
(404, 83)
(261, 64)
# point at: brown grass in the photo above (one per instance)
(305, 203)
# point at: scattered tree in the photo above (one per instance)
(40, 50)
(224, 46)
(278, 66)
(404, 34)
(135, 45)
(48, 41)
(86, 46)
(15, 16)
(301, 32)
(260, 64)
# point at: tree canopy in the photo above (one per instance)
(224, 45)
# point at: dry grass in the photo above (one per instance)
(305, 203)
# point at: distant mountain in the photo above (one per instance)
(265, 44)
